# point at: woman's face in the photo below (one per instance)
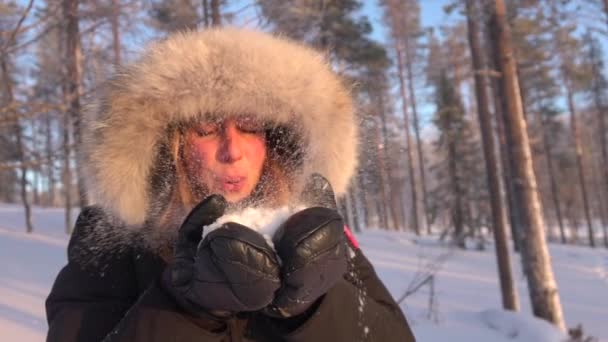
(226, 157)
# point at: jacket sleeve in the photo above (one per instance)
(358, 308)
(95, 299)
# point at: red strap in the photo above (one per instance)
(351, 237)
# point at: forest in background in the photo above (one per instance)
(514, 150)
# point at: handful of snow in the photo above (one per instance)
(265, 221)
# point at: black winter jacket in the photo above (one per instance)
(118, 298)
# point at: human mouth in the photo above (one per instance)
(232, 184)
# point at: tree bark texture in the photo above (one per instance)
(408, 139)
(413, 104)
(544, 295)
(73, 53)
(579, 163)
(509, 292)
(18, 132)
(552, 182)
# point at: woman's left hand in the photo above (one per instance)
(313, 250)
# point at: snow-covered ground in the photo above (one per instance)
(465, 307)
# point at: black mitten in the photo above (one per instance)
(312, 248)
(232, 270)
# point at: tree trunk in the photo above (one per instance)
(382, 215)
(115, 22)
(73, 78)
(410, 82)
(353, 194)
(408, 140)
(579, 163)
(601, 203)
(216, 17)
(67, 175)
(552, 182)
(506, 145)
(36, 182)
(382, 170)
(18, 132)
(364, 200)
(574, 225)
(388, 192)
(36, 159)
(205, 13)
(456, 206)
(544, 295)
(507, 163)
(509, 292)
(601, 133)
(50, 174)
(401, 205)
(26, 204)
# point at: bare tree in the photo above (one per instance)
(536, 261)
(73, 54)
(9, 99)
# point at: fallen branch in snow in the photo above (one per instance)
(429, 279)
(425, 275)
(577, 334)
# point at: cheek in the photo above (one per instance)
(199, 155)
(257, 151)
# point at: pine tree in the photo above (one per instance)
(598, 92)
(404, 22)
(532, 42)
(332, 26)
(175, 15)
(535, 255)
(454, 132)
(508, 290)
(566, 47)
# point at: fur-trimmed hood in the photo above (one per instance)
(219, 71)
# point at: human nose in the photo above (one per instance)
(231, 145)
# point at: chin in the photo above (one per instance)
(235, 197)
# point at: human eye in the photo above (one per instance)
(250, 125)
(206, 129)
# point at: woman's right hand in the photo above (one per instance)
(232, 270)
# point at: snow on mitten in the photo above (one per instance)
(232, 270)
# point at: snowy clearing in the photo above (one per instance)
(466, 304)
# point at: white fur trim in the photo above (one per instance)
(214, 71)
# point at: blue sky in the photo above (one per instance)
(431, 15)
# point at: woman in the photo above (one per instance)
(205, 123)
